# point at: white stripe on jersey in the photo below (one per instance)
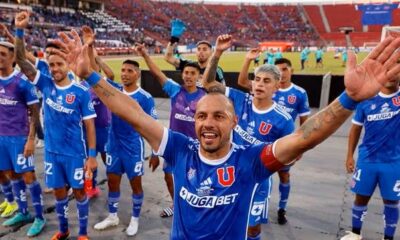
(283, 113)
(250, 204)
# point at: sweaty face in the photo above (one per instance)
(214, 121)
(129, 74)
(190, 76)
(6, 58)
(264, 85)
(203, 53)
(286, 72)
(58, 67)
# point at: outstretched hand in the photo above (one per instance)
(224, 42)
(253, 53)
(6, 34)
(88, 35)
(140, 50)
(76, 54)
(364, 80)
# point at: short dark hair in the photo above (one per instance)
(51, 45)
(282, 61)
(131, 62)
(193, 65)
(204, 42)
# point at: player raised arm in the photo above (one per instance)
(21, 22)
(223, 43)
(141, 50)
(243, 79)
(122, 105)
(354, 137)
(362, 81)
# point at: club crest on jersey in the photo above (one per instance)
(226, 176)
(264, 128)
(191, 173)
(396, 101)
(70, 98)
(291, 99)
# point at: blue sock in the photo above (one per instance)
(391, 217)
(113, 200)
(19, 189)
(36, 195)
(137, 200)
(62, 214)
(7, 190)
(284, 189)
(94, 179)
(83, 215)
(258, 237)
(359, 213)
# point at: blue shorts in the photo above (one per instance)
(368, 175)
(260, 204)
(131, 165)
(12, 155)
(62, 170)
(101, 139)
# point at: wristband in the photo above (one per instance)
(19, 33)
(93, 78)
(347, 102)
(92, 152)
(173, 40)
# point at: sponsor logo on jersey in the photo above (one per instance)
(385, 108)
(382, 116)
(264, 128)
(291, 99)
(226, 176)
(183, 117)
(70, 98)
(284, 108)
(206, 201)
(396, 101)
(205, 188)
(246, 136)
(58, 107)
(4, 101)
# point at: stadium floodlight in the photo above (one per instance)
(390, 31)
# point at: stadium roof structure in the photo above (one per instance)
(280, 2)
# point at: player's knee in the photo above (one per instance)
(60, 193)
(29, 177)
(79, 194)
(3, 177)
(168, 178)
(284, 177)
(253, 231)
(361, 200)
(391, 202)
(136, 184)
(13, 175)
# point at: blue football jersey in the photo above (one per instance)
(212, 197)
(64, 110)
(293, 100)
(123, 138)
(257, 126)
(380, 117)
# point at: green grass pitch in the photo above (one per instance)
(232, 62)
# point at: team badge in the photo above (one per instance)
(70, 98)
(264, 128)
(191, 173)
(291, 99)
(226, 176)
(396, 101)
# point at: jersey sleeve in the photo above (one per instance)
(237, 97)
(149, 107)
(359, 116)
(29, 92)
(41, 65)
(171, 88)
(304, 106)
(42, 81)
(168, 147)
(288, 128)
(86, 106)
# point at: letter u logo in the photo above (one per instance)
(230, 174)
(396, 101)
(264, 128)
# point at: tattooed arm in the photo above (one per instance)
(208, 81)
(103, 66)
(29, 148)
(21, 22)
